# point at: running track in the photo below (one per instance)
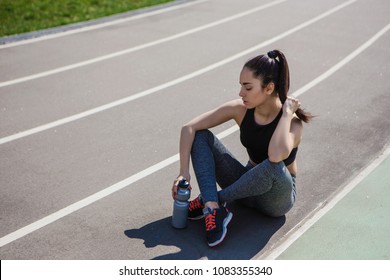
(90, 120)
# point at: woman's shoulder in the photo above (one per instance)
(235, 103)
(237, 108)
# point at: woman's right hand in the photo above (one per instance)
(176, 182)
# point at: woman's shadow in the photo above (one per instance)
(248, 233)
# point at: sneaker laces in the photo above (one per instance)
(195, 204)
(210, 221)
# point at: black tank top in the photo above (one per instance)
(256, 138)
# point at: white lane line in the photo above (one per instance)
(322, 209)
(136, 48)
(344, 61)
(124, 183)
(171, 83)
(102, 25)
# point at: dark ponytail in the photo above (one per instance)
(273, 67)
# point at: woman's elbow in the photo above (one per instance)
(279, 155)
(186, 128)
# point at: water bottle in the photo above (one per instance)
(180, 205)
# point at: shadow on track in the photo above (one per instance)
(248, 233)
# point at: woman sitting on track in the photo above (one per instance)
(270, 129)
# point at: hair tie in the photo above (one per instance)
(272, 54)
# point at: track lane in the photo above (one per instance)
(140, 218)
(83, 91)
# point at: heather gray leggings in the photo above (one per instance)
(267, 187)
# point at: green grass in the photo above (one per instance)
(20, 16)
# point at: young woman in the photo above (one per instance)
(270, 129)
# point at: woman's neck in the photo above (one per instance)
(268, 111)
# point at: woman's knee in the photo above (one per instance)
(275, 165)
(203, 134)
(277, 169)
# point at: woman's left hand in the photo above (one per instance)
(291, 105)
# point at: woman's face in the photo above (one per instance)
(251, 93)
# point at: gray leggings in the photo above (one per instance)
(268, 187)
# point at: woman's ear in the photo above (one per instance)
(269, 89)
